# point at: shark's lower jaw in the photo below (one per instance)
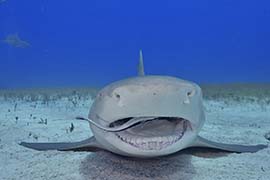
(156, 134)
(154, 143)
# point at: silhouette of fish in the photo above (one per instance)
(15, 41)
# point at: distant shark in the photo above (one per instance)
(15, 41)
(146, 116)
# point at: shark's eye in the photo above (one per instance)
(191, 93)
(117, 96)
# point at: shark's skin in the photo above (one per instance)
(146, 116)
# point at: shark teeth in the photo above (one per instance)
(150, 143)
(154, 142)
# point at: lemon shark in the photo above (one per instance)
(146, 116)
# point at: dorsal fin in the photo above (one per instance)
(141, 65)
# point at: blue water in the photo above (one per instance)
(91, 43)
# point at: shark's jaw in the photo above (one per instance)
(153, 135)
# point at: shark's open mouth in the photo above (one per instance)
(154, 134)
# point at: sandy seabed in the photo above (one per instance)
(49, 119)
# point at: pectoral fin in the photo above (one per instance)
(89, 144)
(201, 142)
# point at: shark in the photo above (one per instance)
(15, 41)
(146, 116)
